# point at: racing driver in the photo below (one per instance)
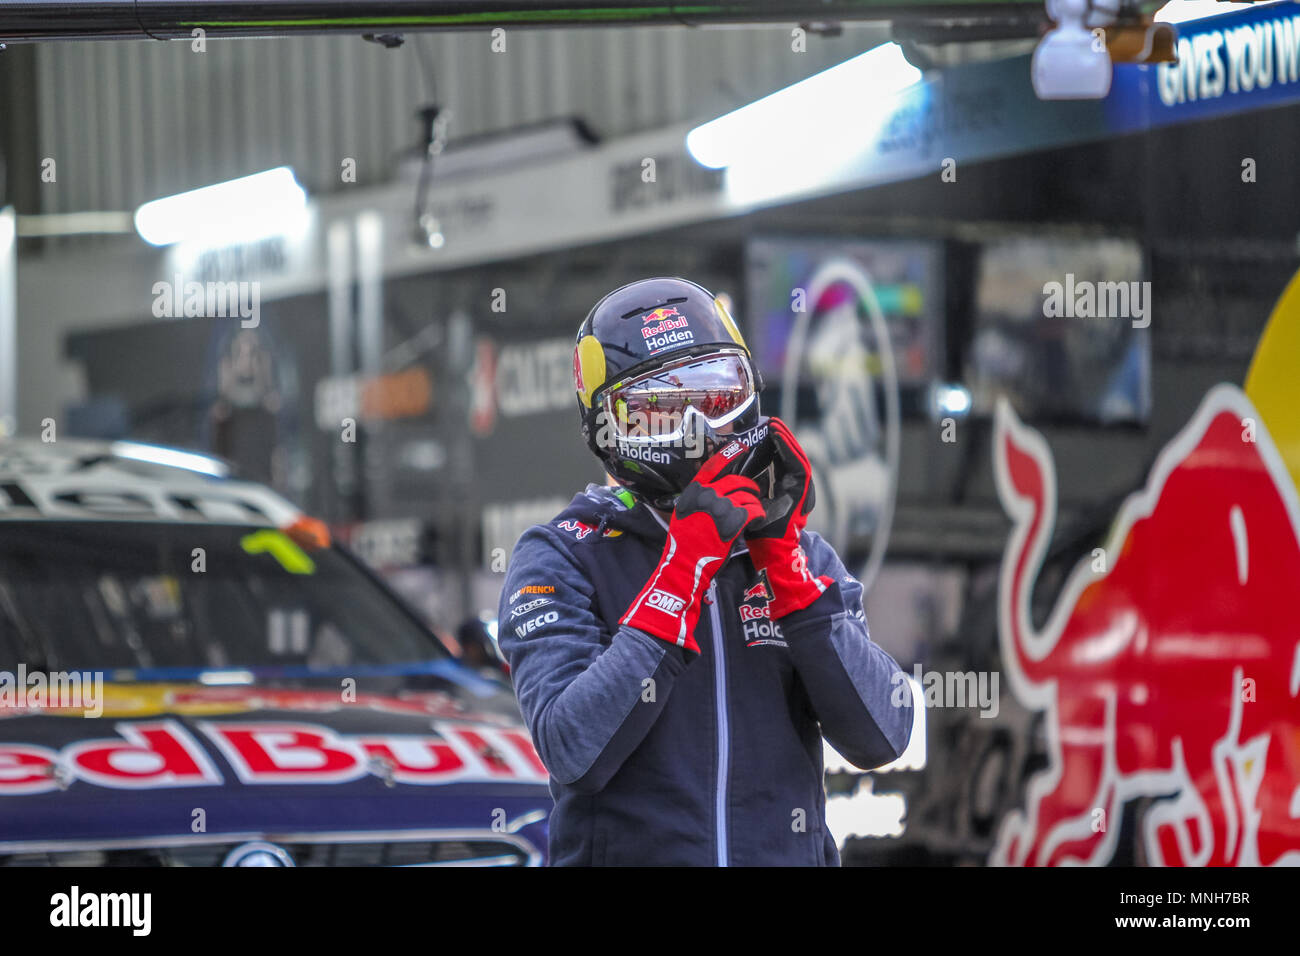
(678, 642)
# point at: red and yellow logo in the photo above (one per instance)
(661, 315)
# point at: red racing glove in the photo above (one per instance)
(774, 540)
(710, 514)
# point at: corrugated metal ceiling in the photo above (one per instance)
(130, 121)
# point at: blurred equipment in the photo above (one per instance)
(1071, 63)
(1061, 327)
(861, 325)
(478, 649)
(1074, 60)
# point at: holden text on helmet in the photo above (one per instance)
(657, 343)
(665, 429)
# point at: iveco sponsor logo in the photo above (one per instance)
(665, 601)
(550, 617)
(523, 609)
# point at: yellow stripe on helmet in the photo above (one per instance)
(588, 368)
(729, 323)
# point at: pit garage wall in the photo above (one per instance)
(1219, 253)
(1178, 190)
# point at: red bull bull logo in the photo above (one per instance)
(660, 315)
(759, 589)
(1169, 667)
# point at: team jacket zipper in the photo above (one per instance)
(720, 693)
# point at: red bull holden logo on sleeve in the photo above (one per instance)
(1170, 666)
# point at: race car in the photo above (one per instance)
(193, 673)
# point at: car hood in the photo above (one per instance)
(440, 751)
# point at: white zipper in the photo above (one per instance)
(720, 687)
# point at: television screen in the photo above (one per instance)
(847, 334)
(1061, 330)
(790, 278)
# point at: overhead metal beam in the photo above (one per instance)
(160, 19)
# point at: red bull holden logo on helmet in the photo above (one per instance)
(1169, 669)
(659, 316)
(664, 328)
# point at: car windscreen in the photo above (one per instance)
(112, 595)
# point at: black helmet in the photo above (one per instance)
(669, 339)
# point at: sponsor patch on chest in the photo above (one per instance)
(756, 624)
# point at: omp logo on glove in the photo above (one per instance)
(709, 515)
(662, 600)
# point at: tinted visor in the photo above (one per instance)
(657, 406)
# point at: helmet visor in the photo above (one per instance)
(657, 406)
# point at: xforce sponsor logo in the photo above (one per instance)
(550, 617)
(532, 589)
(665, 601)
(527, 606)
